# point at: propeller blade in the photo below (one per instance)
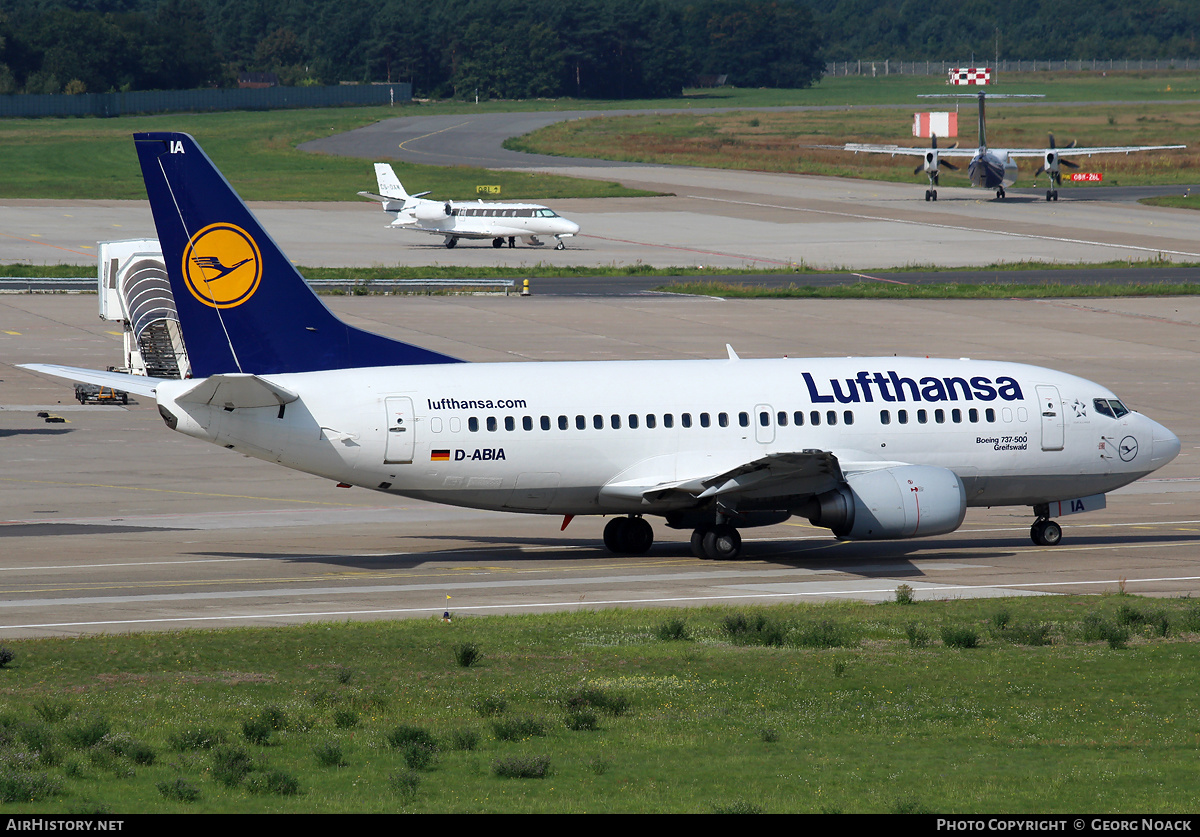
(1067, 163)
(1052, 145)
(1039, 171)
(946, 164)
(934, 145)
(1072, 145)
(920, 167)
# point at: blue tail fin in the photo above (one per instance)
(242, 306)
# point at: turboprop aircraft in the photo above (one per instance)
(994, 168)
(870, 448)
(471, 219)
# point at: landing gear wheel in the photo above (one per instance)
(1055, 194)
(499, 242)
(999, 194)
(928, 195)
(512, 241)
(1049, 195)
(560, 246)
(628, 536)
(1045, 533)
(450, 242)
(934, 193)
(698, 543)
(722, 543)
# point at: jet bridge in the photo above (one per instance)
(134, 291)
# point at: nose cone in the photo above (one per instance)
(567, 227)
(1166, 446)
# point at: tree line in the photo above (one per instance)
(615, 49)
(618, 49)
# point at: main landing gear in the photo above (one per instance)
(628, 536)
(499, 242)
(450, 242)
(1000, 194)
(633, 536)
(1044, 532)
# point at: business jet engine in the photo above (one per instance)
(1052, 165)
(431, 211)
(930, 166)
(906, 501)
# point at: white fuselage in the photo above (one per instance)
(550, 437)
(479, 219)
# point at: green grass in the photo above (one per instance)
(257, 152)
(85, 158)
(867, 724)
(1122, 109)
(1176, 201)
(936, 290)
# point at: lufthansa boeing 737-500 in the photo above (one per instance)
(870, 448)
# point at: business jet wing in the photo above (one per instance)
(792, 474)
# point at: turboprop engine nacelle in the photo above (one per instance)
(931, 161)
(907, 501)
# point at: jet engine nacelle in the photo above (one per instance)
(431, 211)
(907, 501)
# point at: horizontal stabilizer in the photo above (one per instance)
(236, 390)
(134, 384)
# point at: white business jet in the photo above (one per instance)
(994, 168)
(498, 221)
(870, 448)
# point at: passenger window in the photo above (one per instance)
(668, 420)
(633, 421)
(562, 423)
(473, 424)
(598, 422)
(781, 418)
(685, 419)
(744, 419)
(545, 422)
(831, 417)
(723, 419)
(510, 423)
(848, 417)
(580, 423)
(615, 421)
(902, 416)
(922, 417)
(491, 424)
(798, 418)
(651, 421)
(989, 414)
(704, 420)
(764, 418)
(956, 416)
(435, 425)
(939, 416)
(814, 418)
(527, 422)
(973, 415)
(885, 417)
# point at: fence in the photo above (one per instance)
(942, 68)
(216, 99)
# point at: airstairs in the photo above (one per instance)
(134, 291)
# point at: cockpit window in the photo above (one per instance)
(1110, 407)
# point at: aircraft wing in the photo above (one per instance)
(136, 384)
(1086, 152)
(906, 150)
(792, 474)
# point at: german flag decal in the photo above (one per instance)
(439, 456)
